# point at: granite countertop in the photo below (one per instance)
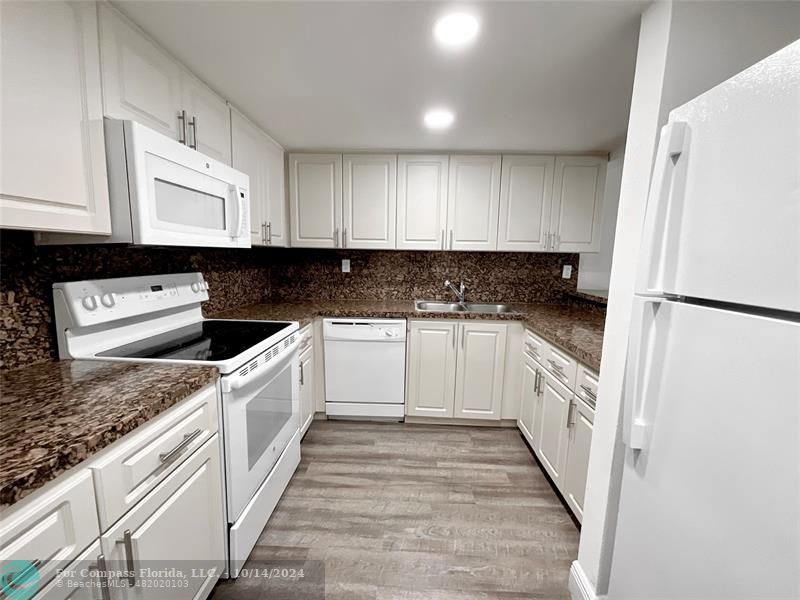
(575, 328)
(54, 415)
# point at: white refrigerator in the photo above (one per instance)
(710, 499)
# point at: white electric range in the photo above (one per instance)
(159, 319)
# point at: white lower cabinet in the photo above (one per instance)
(553, 434)
(178, 525)
(306, 380)
(455, 369)
(557, 421)
(580, 441)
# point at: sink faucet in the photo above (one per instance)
(460, 291)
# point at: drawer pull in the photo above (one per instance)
(531, 350)
(536, 382)
(588, 391)
(102, 575)
(187, 439)
(556, 367)
(127, 541)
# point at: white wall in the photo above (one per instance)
(685, 48)
(595, 268)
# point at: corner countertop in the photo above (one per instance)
(575, 328)
(55, 415)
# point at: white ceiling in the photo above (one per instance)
(542, 76)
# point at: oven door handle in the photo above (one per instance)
(240, 378)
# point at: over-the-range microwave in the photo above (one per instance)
(163, 193)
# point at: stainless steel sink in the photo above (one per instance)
(468, 307)
(435, 306)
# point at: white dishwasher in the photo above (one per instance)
(365, 368)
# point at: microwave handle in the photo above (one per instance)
(241, 207)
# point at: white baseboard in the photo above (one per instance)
(580, 588)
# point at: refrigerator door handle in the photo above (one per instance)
(643, 369)
(659, 251)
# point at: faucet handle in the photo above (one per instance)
(447, 283)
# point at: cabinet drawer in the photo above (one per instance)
(179, 525)
(134, 466)
(78, 581)
(563, 367)
(535, 346)
(53, 529)
(586, 385)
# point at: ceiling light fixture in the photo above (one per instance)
(439, 118)
(456, 30)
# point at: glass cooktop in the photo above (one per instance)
(209, 340)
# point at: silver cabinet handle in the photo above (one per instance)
(570, 423)
(536, 382)
(193, 125)
(455, 335)
(531, 350)
(557, 241)
(546, 241)
(301, 373)
(175, 452)
(451, 239)
(556, 367)
(443, 239)
(463, 335)
(344, 237)
(263, 233)
(127, 541)
(102, 575)
(336, 237)
(182, 126)
(268, 228)
(588, 391)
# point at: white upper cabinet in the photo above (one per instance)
(315, 200)
(369, 201)
(208, 119)
(473, 199)
(578, 193)
(143, 83)
(53, 165)
(261, 158)
(479, 373)
(526, 188)
(421, 201)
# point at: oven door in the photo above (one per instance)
(261, 413)
(180, 197)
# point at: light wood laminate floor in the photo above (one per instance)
(412, 512)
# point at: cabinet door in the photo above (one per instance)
(140, 81)
(54, 164)
(473, 199)
(479, 374)
(553, 432)
(249, 157)
(80, 580)
(306, 388)
(208, 125)
(315, 200)
(580, 442)
(421, 201)
(578, 192)
(528, 398)
(526, 188)
(179, 525)
(431, 368)
(277, 230)
(369, 200)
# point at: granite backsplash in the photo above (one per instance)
(247, 276)
(301, 274)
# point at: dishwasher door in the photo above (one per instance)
(365, 365)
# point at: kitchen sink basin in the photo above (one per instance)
(466, 307)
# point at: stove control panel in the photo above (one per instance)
(93, 302)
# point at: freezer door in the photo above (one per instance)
(710, 503)
(723, 214)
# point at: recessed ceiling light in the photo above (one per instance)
(456, 30)
(439, 118)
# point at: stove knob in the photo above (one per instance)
(195, 287)
(89, 302)
(109, 299)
